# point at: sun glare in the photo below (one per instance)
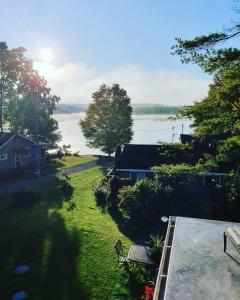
(46, 55)
(46, 70)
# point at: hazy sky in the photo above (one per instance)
(108, 41)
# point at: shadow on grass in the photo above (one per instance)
(54, 166)
(138, 233)
(105, 163)
(38, 236)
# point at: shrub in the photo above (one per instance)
(179, 173)
(175, 153)
(67, 149)
(232, 186)
(66, 187)
(228, 153)
(101, 190)
(115, 184)
(157, 244)
(142, 202)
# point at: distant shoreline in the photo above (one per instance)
(138, 109)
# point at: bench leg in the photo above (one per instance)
(224, 242)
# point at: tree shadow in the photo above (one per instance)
(105, 164)
(139, 233)
(54, 166)
(39, 237)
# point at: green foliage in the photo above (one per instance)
(219, 112)
(208, 162)
(115, 184)
(101, 191)
(25, 98)
(202, 51)
(12, 64)
(108, 121)
(176, 152)
(140, 202)
(66, 149)
(232, 186)
(226, 158)
(171, 171)
(228, 154)
(157, 244)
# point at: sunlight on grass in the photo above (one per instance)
(58, 164)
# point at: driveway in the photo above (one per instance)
(33, 182)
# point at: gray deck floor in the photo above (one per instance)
(199, 269)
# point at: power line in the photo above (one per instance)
(74, 117)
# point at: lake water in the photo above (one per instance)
(148, 129)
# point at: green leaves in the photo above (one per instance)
(202, 50)
(219, 112)
(25, 97)
(108, 121)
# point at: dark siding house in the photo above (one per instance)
(18, 153)
(135, 160)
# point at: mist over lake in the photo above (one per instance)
(148, 129)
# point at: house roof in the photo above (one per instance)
(136, 156)
(144, 157)
(198, 267)
(5, 136)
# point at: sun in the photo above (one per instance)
(46, 55)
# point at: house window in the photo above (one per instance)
(3, 156)
(26, 152)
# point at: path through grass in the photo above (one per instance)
(58, 164)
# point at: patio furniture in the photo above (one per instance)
(233, 233)
(119, 249)
(140, 254)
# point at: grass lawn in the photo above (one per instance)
(70, 252)
(58, 164)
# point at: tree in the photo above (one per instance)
(11, 64)
(26, 101)
(202, 50)
(219, 112)
(108, 122)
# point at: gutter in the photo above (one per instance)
(159, 290)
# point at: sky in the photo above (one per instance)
(92, 42)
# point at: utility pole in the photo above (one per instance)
(182, 128)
